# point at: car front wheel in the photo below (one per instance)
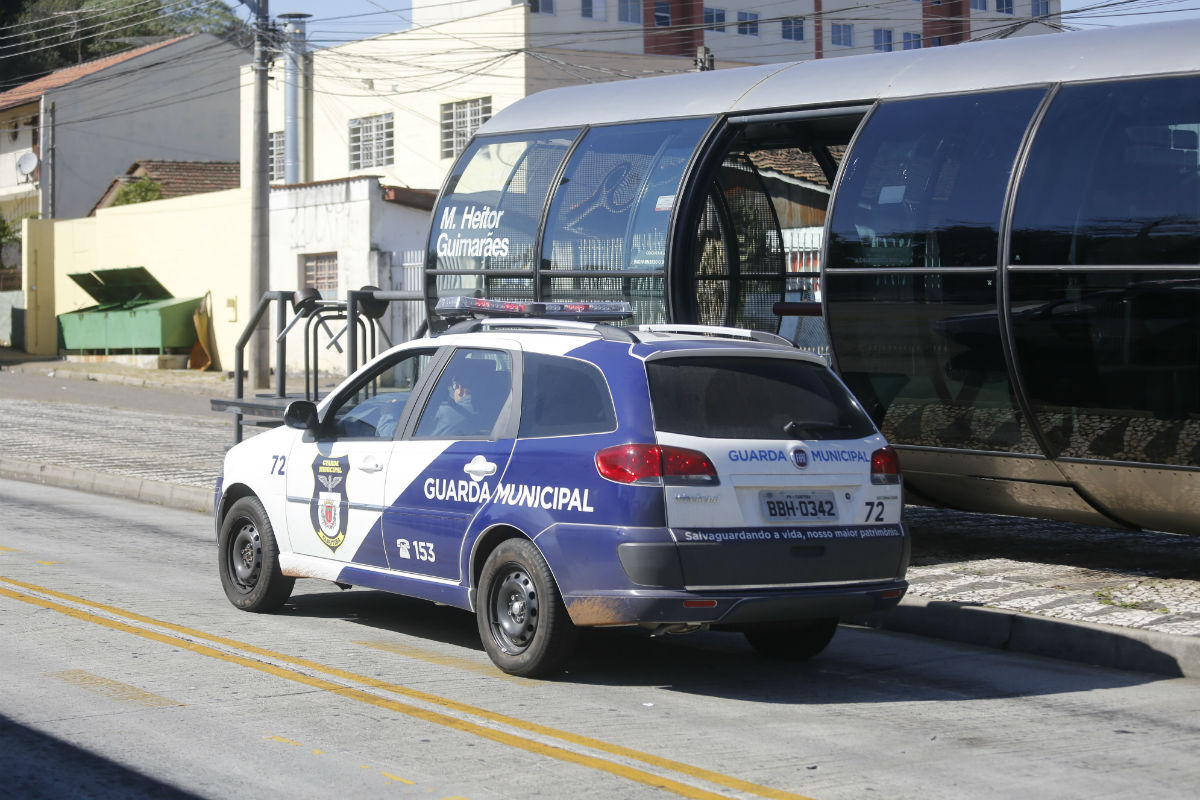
(522, 619)
(248, 559)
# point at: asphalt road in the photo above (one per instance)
(129, 675)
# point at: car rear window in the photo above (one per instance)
(752, 398)
(563, 397)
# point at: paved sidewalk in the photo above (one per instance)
(1116, 598)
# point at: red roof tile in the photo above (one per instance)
(29, 92)
(177, 178)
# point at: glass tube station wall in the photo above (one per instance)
(1009, 275)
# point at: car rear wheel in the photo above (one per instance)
(792, 641)
(522, 619)
(248, 559)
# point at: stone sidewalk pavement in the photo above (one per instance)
(1118, 598)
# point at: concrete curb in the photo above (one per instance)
(183, 498)
(1068, 640)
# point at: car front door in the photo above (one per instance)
(337, 479)
(453, 461)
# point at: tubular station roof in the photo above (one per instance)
(1073, 56)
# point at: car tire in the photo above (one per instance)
(522, 619)
(792, 641)
(248, 559)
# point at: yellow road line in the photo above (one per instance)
(415, 694)
(116, 690)
(441, 660)
(435, 717)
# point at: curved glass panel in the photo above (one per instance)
(1113, 177)
(615, 202)
(922, 353)
(924, 184)
(488, 216)
(739, 268)
(1110, 361)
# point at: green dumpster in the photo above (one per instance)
(133, 313)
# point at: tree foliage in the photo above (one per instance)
(142, 190)
(37, 36)
(10, 233)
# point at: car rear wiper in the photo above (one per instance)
(812, 429)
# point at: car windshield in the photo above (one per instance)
(752, 398)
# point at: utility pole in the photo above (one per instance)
(259, 366)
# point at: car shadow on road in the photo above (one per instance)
(859, 666)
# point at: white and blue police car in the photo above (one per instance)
(549, 475)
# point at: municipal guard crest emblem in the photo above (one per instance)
(329, 505)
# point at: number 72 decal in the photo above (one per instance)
(874, 511)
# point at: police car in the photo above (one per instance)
(549, 475)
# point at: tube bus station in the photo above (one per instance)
(996, 244)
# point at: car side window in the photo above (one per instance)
(377, 404)
(470, 397)
(563, 397)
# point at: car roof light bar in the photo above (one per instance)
(459, 306)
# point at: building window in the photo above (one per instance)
(843, 35)
(912, 41)
(372, 141)
(1004, 6)
(594, 9)
(935, 41)
(320, 273)
(883, 40)
(459, 121)
(629, 11)
(714, 19)
(747, 23)
(541, 6)
(979, 5)
(275, 156)
(1041, 8)
(793, 28)
(662, 14)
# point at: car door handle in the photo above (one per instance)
(368, 464)
(479, 468)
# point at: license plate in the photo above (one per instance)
(798, 506)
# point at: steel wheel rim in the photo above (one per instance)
(245, 557)
(513, 610)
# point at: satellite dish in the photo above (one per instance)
(27, 162)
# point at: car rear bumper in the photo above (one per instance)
(731, 609)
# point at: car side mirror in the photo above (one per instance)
(301, 415)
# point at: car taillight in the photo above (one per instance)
(885, 466)
(655, 464)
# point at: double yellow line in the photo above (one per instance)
(309, 673)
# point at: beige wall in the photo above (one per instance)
(191, 245)
(41, 329)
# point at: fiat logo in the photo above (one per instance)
(800, 457)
